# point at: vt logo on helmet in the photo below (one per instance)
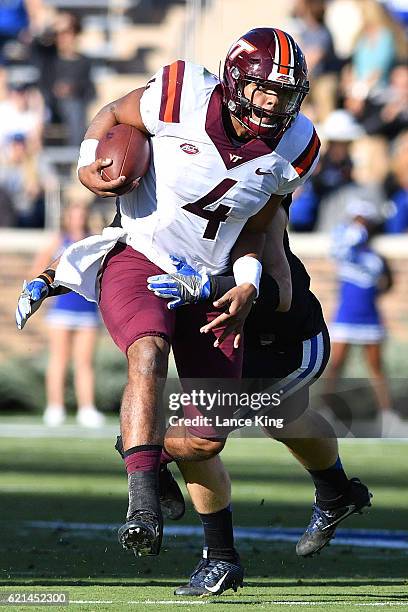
(273, 65)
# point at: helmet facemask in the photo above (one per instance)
(259, 121)
(274, 63)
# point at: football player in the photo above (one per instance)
(283, 350)
(224, 155)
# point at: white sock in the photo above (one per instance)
(55, 407)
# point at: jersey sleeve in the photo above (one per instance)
(161, 99)
(296, 172)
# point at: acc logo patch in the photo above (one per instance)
(189, 148)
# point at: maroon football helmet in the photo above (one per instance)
(272, 60)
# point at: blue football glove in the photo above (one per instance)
(30, 300)
(186, 286)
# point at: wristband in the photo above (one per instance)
(47, 276)
(248, 270)
(87, 152)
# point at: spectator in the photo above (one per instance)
(65, 75)
(380, 43)
(387, 114)
(13, 22)
(73, 324)
(23, 179)
(344, 20)
(17, 18)
(363, 276)
(318, 198)
(335, 168)
(314, 37)
(43, 54)
(397, 219)
(7, 214)
(317, 44)
(72, 87)
(22, 112)
(333, 181)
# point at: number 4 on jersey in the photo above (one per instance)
(214, 217)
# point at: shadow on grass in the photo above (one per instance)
(108, 507)
(59, 556)
(248, 583)
(63, 480)
(263, 477)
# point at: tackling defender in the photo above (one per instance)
(286, 351)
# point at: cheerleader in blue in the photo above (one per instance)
(73, 324)
(363, 276)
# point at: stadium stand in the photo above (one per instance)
(126, 41)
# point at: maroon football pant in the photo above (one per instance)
(130, 311)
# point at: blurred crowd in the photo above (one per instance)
(357, 56)
(45, 89)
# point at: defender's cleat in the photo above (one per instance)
(142, 533)
(171, 498)
(119, 446)
(213, 577)
(323, 523)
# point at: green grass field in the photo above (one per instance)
(82, 481)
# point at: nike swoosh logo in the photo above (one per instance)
(261, 172)
(179, 280)
(217, 586)
(351, 509)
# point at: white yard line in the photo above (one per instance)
(210, 600)
(365, 538)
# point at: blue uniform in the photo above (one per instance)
(13, 17)
(357, 319)
(71, 310)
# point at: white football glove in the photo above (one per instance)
(186, 286)
(30, 300)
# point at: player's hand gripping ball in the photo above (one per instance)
(129, 150)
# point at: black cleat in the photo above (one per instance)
(323, 523)
(213, 577)
(142, 533)
(119, 446)
(171, 498)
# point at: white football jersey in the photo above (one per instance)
(201, 188)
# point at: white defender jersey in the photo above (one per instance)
(201, 189)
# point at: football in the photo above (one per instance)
(129, 150)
